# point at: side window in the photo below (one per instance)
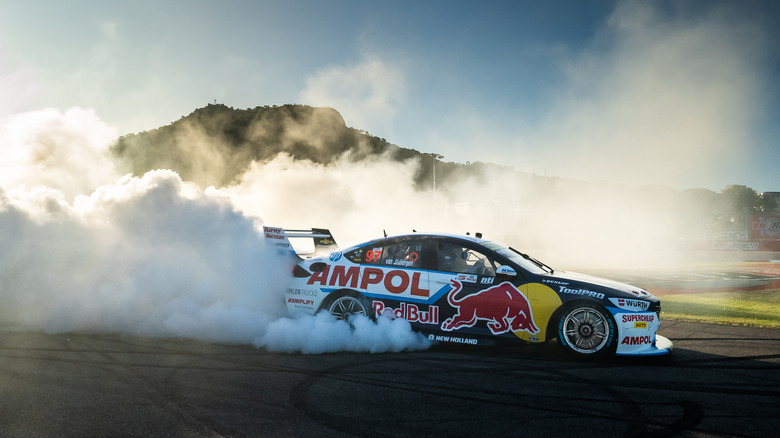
(355, 256)
(406, 254)
(461, 260)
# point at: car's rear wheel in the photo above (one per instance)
(586, 329)
(348, 306)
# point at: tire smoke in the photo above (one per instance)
(151, 256)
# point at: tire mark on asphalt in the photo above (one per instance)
(692, 416)
(625, 410)
(78, 355)
(152, 390)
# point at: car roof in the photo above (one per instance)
(416, 235)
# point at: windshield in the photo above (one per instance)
(524, 260)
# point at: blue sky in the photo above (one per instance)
(679, 93)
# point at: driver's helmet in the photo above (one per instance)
(452, 253)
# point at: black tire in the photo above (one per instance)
(348, 305)
(586, 330)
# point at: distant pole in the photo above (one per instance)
(435, 157)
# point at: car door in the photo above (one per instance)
(465, 284)
(457, 261)
(395, 278)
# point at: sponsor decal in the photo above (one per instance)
(768, 227)
(276, 237)
(487, 280)
(442, 338)
(636, 340)
(562, 283)
(629, 304)
(409, 312)
(297, 291)
(395, 281)
(466, 278)
(566, 290)
(506, 270)
(273, 233)
(647, 317)
(335, 256)
(300, 301)
(503, 306)
(636, 330)
(735, 246)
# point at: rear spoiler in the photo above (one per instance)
(280, 238)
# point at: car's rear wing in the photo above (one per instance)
(322, 239)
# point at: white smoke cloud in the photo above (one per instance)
(367, 94)
(567, 223)
(150, 256)
(18, 85)
(67, 151)
(358, 200)
(658, 97)
(323, 334)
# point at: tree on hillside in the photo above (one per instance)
(697, 212)
(734, 205)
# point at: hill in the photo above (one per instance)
(214, 145)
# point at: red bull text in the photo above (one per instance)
(409, 312)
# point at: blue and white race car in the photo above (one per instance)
(464, 289)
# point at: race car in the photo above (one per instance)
(464, 289)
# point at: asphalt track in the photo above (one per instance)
(719, 381)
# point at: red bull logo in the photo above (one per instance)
(503, 306)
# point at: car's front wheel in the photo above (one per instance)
(586, 329)
(347, 306)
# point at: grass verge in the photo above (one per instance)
(756, 308)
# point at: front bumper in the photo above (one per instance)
(662, 346)
(637, 334)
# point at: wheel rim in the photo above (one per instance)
(586, 330)
(346, 307)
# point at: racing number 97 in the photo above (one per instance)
(372, 255)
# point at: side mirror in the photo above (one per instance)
(506, 271)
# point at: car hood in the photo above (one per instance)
(583, 280)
